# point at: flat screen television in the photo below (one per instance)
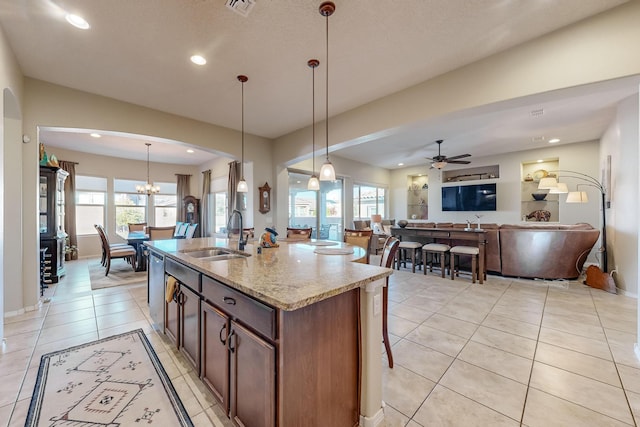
(479, 197)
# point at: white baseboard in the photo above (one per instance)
(23, 310)
(376, 420)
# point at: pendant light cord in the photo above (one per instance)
(313, 121)
(326, 122)
(242, 115)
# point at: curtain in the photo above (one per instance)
(70, 206)
(205, 221)
(181, 192)
(232, 195)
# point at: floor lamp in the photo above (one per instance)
(552, 184)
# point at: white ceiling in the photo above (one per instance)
(138, 52)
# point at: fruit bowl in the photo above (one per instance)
(539, 196)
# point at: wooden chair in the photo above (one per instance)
(137, 226)
(191, 230)
(100, 229)
(126, 252)
(360, 238)
(389, 251)
(299, 233)
(161, 233)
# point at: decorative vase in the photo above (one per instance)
(403, 223)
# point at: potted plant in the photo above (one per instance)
(70, 251)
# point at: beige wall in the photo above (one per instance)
(14, 296)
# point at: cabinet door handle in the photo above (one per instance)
(231, 335)
(223, 340)
(176, 295)
(229, 300)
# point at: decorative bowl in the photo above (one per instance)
(403, 223)
(539, 196)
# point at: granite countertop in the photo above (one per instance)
(289, 277)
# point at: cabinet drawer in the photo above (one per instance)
(183, 274)
(237, 305)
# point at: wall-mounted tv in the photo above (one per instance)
(479, 197)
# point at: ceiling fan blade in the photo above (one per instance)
(459, 156)
(459, 162)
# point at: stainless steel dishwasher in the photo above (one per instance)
(155, 289)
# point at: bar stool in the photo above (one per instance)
(436, 250)
(414, 251)
(473, 252)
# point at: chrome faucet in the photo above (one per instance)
(241, 241)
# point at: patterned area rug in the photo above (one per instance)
(116, 381)
(120, 273)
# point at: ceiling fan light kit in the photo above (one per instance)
(440, 161)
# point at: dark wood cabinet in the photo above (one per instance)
(214, 361)
(252, 379)
(237, 364)
(269, 367)
(189, 338)
(182, 314)
(51, 218)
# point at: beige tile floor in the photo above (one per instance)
(509, 352)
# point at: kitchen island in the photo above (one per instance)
(287, 337)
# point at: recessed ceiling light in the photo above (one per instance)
(539, 160)
(77, 21)
(198, 60)
(95, 135)
(553, 140)
(400, 164)
(190, 151)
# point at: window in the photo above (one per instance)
(165, 204)
(91, 194)
(218, 204)
(316, 209)
(131, 207)
(368, 200)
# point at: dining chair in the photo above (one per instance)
(100, 229)
(389, 251)
(137, 226)
(177, 232)
(181, 230)
(299, 233)
(360, 238)
(191, 230)
(161, 233)
(126, 252)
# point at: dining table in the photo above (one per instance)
(136, 239)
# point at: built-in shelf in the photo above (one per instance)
(471, 174)
(531, 174)
(417, 197)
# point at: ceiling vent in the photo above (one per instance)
(242, 7)
(537, 113)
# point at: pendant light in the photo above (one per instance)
(242, 184)
(313, 184)
(148, 189)
(327, 172)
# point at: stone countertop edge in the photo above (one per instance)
(260, 276)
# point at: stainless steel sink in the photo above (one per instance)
(206, 253)
(214, 254)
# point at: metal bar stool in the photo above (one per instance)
(471, 251)
(414, 252)
(435, 250)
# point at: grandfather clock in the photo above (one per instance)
(192, 212)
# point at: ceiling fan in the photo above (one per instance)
(440, 161)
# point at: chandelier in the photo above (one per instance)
(148, 188)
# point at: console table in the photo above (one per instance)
(427, 235)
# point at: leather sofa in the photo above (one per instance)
(544, 251)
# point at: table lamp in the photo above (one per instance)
(376, 224)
